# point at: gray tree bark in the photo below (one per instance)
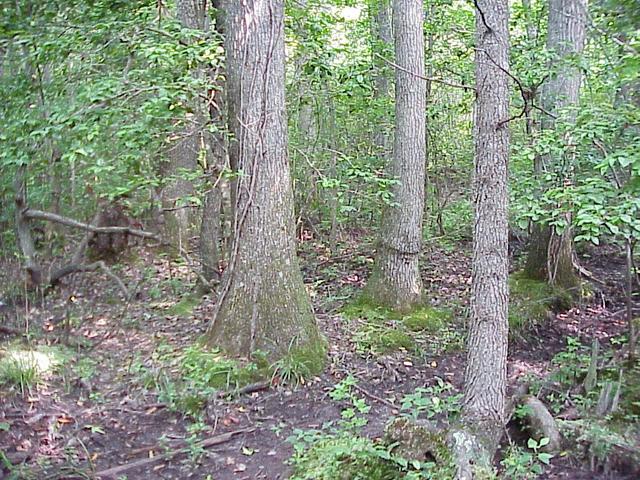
(486, 369)
(551, 253)
(263, 304)
(382, 33)
(395, 281)
(183, 154)
(211, 225)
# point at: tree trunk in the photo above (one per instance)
(395, 281)
(263, 304)
(183, 154)
(551, 253)
(211, 227)
(380, 18)
(486, 370)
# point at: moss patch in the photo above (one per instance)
(185, 306)
(531, 301)
(301, 363)
(381, 330)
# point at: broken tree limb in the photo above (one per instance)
(70, 222)
(114, 472)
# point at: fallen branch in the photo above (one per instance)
(91, 267)
(114, 472)
(70, 222)
(252, 387)
(375, 397)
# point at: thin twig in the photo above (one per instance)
(374, 397)
(428, 79)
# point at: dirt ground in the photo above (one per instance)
(85, 426)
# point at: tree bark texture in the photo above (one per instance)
(263, 304)
(486, 369)
(551, 253)
(211, 225)
(179, 218)
(382, 32)
(395, 281)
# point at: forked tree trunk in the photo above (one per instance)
(263, 304)
(486, 370)
(551, 253)
(395, 281)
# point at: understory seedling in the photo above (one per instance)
(353, 416)
(525, 464)
(432, 401)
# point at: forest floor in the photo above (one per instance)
(106, 405)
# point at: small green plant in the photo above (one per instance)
(320, 456)
(196, 450)
(522, 464)
(23, 369)
(19, 373)
(353, 416)
(432, 401)
(572, 363)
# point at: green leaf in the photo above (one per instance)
(545, 458)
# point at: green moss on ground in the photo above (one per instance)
(185, 306)
(382, 330)
(531, 301)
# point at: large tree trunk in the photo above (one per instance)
(486, 370)
(551, 253)
(179, 216)
(395, 281)
(263, 304)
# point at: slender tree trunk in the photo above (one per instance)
(395, 281)
(179, 216)
(382, 33)
(211, 226)
(551, 253)
(486, 370)
(263, 304)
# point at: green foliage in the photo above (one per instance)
(93, 93)
(348, 456)
(525, 464)
(186, 380)
(433, 401)
(353, 415)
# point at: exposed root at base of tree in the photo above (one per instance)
(467, 448)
